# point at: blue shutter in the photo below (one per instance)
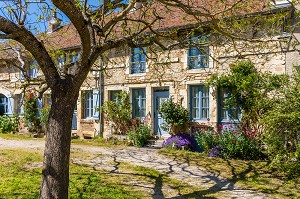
(10, 105)
(40, 106)
(96, 104)
(35, 71)
(22, 78)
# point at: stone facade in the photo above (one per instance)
(169, 72)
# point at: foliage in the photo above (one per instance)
(31, 118)
(176, 117)
(250, 89)
(8, 124)
(118, 112)
(282, 127)
(139, 134)
(180, 141)
(44, 116)
(230, 142)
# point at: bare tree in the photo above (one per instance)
(100, 28)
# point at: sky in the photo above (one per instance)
(38, 12)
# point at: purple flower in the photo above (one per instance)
(215, 151)
(180, 141)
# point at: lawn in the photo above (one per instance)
(20, 173)
(253, 174)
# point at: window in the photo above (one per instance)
(113, 95)
(6, 105)
(3, 104)
(282, 3)
(91, 104)
(32, 71)
(198, 56)
(199, 104)
(138, 103)
(20, 108)
(138, 60)
(228, 114)
(61, 60)
(73, 57)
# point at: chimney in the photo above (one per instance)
(54, 23)
(138, 5)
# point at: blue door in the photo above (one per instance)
(159, 98)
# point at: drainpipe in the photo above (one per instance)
(100, 134)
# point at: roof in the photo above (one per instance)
(170, 17)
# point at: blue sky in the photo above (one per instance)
(38, 13)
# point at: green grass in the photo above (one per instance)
(20, 180)
(99, 142)
(90, 142)
(254, 174)
(9, 136)
(20, 173)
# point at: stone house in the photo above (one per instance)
(149, 78)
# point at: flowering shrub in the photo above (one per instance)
(8, 124)
(180, 141)
(139, 135)
(118, 112)
(229, 142)
(30, 112)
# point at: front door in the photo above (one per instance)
(159, 98)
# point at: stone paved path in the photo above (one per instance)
(148, 157)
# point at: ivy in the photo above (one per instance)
(250, 89)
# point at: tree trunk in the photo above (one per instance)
(55, 174)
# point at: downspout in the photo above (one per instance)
(100, 134)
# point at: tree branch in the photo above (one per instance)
(35, 47)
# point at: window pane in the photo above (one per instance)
(138, 60)
(113, 95)
(138, 103)
(204, 102)
(228, 113)
(88, 104)
(199, 104)
(205, 113)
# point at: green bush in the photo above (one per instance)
(31, 119)
(176, 117)
(8, 124)
(118, 112)
(139, 135)
(231, 142)
(44, 116)
(282, 128)
(251, 89)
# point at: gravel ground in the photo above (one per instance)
(108, 159)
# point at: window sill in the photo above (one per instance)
(196, 70)
(89, 119)
(137, 74)
(200, 121)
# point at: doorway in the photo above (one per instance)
(160, 96)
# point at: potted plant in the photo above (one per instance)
(176, 117)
